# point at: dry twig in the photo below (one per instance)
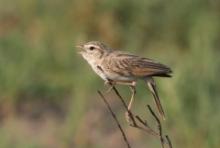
(169, 142)
(138, 122)
(125, 106)
(115, 118)
(158, 124)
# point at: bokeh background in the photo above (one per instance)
(48, 93)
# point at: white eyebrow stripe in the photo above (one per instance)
(92, 45)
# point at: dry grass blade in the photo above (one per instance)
(169, 141)
(126, 107)
(146, 127)
(138, 122)
(158, 124)
(115, 118)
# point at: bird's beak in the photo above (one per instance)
(80, 47)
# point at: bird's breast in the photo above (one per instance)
(97, 69)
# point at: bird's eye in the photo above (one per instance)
(91, 48)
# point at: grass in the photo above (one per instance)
(44, 80)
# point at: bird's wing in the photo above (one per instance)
(140, 67)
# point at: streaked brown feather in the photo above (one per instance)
(131, 65)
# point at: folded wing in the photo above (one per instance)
(141, 67)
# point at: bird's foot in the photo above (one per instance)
(110, 83)
(128, 117)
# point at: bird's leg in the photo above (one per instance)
(133, 91)
(152, 86)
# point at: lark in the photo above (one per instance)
(118, 67)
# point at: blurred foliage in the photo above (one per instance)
(48, 93)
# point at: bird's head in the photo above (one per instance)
(93, 50)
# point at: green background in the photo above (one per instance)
(48, 93)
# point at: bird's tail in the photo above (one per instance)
(152, 86)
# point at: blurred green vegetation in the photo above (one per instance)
(48, 92)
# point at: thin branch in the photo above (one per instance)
(169, 141)
(115, 118)
(134, 124)
(145, 127)
(158, 124)
(126, 107)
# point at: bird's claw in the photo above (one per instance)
(128, 117)
(110, 83)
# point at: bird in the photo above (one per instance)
(117, 67)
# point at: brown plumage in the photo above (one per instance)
(136, 66)
(123, 68)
